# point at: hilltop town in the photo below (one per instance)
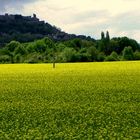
(17, 17)
(29, 28)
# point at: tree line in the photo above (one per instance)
(75, 50)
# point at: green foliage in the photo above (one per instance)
(18, 58)
(60, 47)
(20, 50)
(74, 50)
(101, 46)
(93, 53)
(83, 57)
(4, 52)
(113, 46)
(39, 46)
(101, 57)
(124, 42)
(137, 55)
(102, 36)
(112, 57)
(107, 36)
(69, 55)
(104, 43)
(128, 53)
(5, 59)
(34, 58)
(30, 48)
(48, 43)
(78, 43)
(12, 45)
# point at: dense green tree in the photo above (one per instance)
(40, 46)
(5, 51)
(48, 42)
(112, 57)
(104, 43)
(128, 53)
(101, 45)
(101, 57)
(102, 36)
(60, 47)
(69, 55)
(124, 42)
(34, 58)
(20, 50)
(83, 55)
(17, 58)
(107, 36)
(30, 48)
(5, 59)
(93, 53)
(12, 45)
(78, 43)
(136, 55)
(113, 46)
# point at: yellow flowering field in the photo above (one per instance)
(73, 101)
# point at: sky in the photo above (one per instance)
(83, 17)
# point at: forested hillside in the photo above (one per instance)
(28, 28)
(28, 40)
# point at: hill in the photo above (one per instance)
(29, 28)
(26, 39)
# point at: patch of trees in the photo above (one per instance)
(75, 50)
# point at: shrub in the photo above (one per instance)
(93, 52)
(83, 57)
(101, 57)
(39, 46)
(128, 53)
(34, 58)
(17, 58)
(5, 59)
(112, 57)
(137, 55)
(69, 55)
(12, 45)
(20, 50)
(30, 48)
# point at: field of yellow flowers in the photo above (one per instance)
(73, 101)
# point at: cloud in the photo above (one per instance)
(128, 21)
(125, 24)
(87, 16)
(13, 5)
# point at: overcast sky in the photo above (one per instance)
(88, 17)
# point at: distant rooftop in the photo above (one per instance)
(18, 16)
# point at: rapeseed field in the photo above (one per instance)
(82, 101)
